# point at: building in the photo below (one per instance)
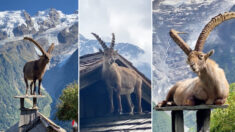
(33, 121)
(94, 104)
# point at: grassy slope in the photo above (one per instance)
(223, 120)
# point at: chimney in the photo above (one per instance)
(28, 116)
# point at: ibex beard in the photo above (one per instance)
(210, 86)
(119, 80)
(35, 70)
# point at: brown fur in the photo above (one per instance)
(210, 87)
(119, 80)
(35, 70)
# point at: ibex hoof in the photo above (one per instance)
(161, 104)
(120, 113)
(220, 101)
(141, 113)
(131, 113)
(35, 107)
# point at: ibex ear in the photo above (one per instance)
(50, 49)
(209, 54)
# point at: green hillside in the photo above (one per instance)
(190, 120)
(161, 121)
(12, 59)
(223, 120)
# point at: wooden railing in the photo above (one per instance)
(23, 97)
(203, 113)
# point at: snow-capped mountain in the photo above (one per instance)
(49, 26)
(46, 27)
(17, 23)
(169, 62)
(131, 52)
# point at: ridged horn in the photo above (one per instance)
(50, 49)
(179, 41)
(37, 44)
(102, 43)
(113, 41)
(215, 21)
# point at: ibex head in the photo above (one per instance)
(196, 58)
(109, 52)
(46, 55)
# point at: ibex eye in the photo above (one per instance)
(200, 56)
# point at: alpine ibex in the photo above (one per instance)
(119, 80)
(34, 70)
(211, 85)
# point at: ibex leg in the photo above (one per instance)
(110, 92)
(139, 96)
(34, 83)
(209, 101)
(31, 88)
(119, 103)
(131, 106)
(27, 85)
(39, 86)
(220, 101)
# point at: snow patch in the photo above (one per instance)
(12, 19)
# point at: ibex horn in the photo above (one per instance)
(215, 21)
(50, 49)
(113, 41)
(37, 44)
(100, 41)
(179, 41)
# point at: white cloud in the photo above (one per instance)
(129, 20)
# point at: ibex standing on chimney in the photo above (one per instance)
(119, 80)
(211, 85)
(34, 70)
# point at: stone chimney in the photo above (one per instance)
(28, 116)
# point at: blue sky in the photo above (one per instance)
(32, 6)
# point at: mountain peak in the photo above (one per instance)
(19, 22)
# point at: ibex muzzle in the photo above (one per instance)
(34, 70)
(119, 80)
